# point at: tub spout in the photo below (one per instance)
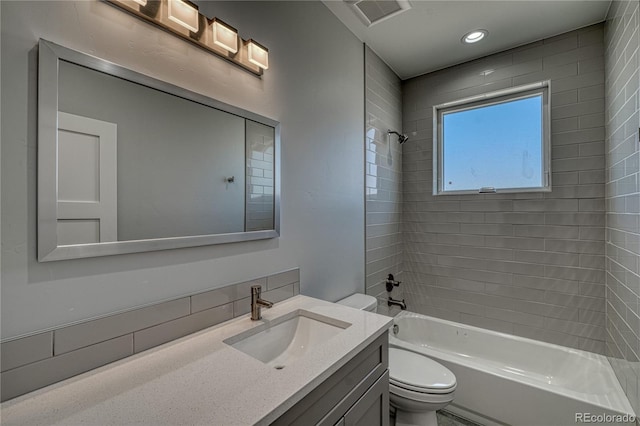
(391, 301)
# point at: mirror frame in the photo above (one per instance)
(49, 56)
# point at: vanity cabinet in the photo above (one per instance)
(372, 409)
(356, 394)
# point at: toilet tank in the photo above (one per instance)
(360, 301)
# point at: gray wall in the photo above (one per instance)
(623, 195)
(527, 264)
(317, 97)
(383, 164)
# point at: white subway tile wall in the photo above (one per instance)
(622, 195)
(383, 103)
(529, 264)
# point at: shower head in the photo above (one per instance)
(401, 138)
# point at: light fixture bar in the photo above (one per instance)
(222, 39)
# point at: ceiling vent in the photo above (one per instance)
(372, 12)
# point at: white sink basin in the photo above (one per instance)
(280, 341)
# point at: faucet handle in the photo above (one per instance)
(390, 283)
(257, 302)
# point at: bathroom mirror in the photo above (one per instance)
(128, 163)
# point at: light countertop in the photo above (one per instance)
(198, 379)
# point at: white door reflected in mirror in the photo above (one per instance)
(87, 182)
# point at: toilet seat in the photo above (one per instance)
(419, 389)
(410, 372)
(411, 397)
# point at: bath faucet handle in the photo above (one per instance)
(391, 282)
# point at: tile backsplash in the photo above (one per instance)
(36, 361)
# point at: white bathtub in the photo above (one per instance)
(504, 379)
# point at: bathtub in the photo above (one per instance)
(504, 379)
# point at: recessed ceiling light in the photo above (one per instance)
(474, 36)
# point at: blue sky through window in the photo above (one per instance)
(496, 146)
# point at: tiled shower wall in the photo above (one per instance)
(623, 195)
(383, 163)
(529, 264)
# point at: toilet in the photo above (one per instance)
(418, 385)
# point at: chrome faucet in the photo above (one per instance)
(257, 302)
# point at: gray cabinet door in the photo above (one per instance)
(373, 408)
(328, 403)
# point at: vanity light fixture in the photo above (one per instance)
(182, 19)
(258, 54)
(224, 35)
(474, 36)
(184, 13)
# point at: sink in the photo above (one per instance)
(281, 341)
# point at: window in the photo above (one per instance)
(496, 142)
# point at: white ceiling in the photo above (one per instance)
(427, 37)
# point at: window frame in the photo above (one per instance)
(488, 99)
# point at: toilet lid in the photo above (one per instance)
(416, 372)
